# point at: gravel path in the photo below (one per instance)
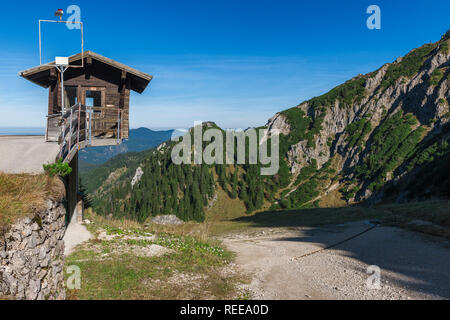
(75, 234)
(413, 266)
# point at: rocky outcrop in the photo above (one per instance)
(384, 95)
(167, 219)
(137, 176)
(32, 256)
(278, 122)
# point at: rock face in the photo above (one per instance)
(423, 93)
(137, 176)
(278, 122)
(32, 256)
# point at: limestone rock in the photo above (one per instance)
(167, 219)
(26, 256)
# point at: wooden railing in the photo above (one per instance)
(80, 125)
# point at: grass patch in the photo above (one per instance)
(332, 200)
(129, 277)
(193, 269)
(23, 194)
(224, 210)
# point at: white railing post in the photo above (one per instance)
(78, 129)
(90, 125)
(70, 130)
(118, 126)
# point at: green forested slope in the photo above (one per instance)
(380, 136)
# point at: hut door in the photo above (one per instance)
(94, 97)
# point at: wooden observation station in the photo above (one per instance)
(96, 101)
(88, 105)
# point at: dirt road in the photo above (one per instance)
(412, 265)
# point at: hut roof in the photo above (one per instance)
(41, 74)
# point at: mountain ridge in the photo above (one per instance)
(368, 139)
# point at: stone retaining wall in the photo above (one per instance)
(32, 256)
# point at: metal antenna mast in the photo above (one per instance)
(61, 63)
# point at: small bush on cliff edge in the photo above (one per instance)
(59, 168)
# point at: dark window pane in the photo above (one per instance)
(93, 98)
(70, 96)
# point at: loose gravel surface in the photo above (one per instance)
(412, 265)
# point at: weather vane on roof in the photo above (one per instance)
(59, 13)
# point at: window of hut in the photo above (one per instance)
(70, 96)
(93, 98)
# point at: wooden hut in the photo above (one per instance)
(96, 107)
(100, 89)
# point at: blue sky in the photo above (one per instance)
(232, 62)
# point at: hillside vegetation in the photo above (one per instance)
(128, 260)
(379, 137)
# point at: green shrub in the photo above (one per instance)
(444, 47)
(304, 193)
(59, 168)
(348, 194)
(428, 153)
(392, 142)
(329, 141)
(299, 124)
(408, 67)
(436, 77)
(347, 93)
(306, 172)
(357, 131)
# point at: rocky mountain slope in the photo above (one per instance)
(380, 136)
(377, 127)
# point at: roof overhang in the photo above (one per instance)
(41, 75)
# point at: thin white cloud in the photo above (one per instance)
(232, 91)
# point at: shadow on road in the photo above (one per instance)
(412, 260)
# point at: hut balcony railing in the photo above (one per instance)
(81, 126)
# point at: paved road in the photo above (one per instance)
(26, 154)
(413, 266)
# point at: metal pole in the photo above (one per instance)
(82, 45)
(40, 54)
(63, 133)
(85, 125)
(118, 125)
(78, 128)
(62, 89)
(90, 125)
(82, 41)
(70, 130)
